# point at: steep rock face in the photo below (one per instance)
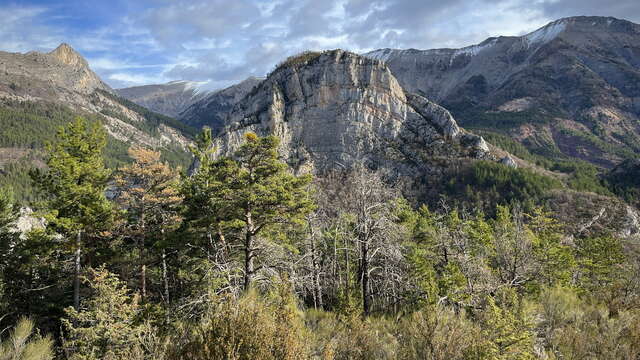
(169, 99)
(569, 89)
(212, 108)
(335, 108)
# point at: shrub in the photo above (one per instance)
(248, 328)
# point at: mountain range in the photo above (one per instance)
(568, 90)
(558, 107)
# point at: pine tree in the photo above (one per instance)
(74, 188)
(207, 195)
(265, 193)
(8, 213)
(148, 192)
(253, 190)
(22, 344)
(105, 326)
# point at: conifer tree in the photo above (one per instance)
(207, 194)
(265, 193)
(23, 344)
(105, 326)
(8, 213)
(148, 192)
(74, 188)
(252, 189)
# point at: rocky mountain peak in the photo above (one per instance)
(67, 55)
(337, 108)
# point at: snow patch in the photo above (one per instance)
(545, 34)
(474, 49)
(382, 54)
(197, 87)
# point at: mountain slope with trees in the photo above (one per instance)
(338, 267)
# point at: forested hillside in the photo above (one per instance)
(244, 260)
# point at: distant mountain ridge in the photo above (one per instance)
(212, 108)
(570, 89)
(169, 99)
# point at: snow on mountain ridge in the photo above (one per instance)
(545, 34)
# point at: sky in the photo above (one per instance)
(221, 42)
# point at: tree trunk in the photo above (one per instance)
(143, 266)
(223, 242)
(365, 278)
(143, 282)
(248, 252)
(316, 271)
(165, 277)
(76, 277)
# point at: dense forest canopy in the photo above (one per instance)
(244, 260)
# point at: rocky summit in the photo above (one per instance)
(60, 75)
(336, 108)
(570, 89)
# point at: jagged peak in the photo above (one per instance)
(68, 55)
(310, 57)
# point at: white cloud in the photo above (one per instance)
(133, 79)
(221, 41)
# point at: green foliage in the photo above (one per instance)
(31, 124)
(513, 147)
(507, 328)
(624, 181)
(448, 284)
(22, 344)
(153, 119)
(105, 327)
(440, 334)
(8, 213)
(600, 261)
(598, 143)
(35, 278)
(575, 329)
(555, 258)
(15, 175)
(583, 176)
(253, 190)
(75, 182)
(486, 182)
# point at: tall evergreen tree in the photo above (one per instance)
(148, 192)
(207, 194)
(265, 193)
(253, 189)
(74, 188)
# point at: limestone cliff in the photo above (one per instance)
(335, 108)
